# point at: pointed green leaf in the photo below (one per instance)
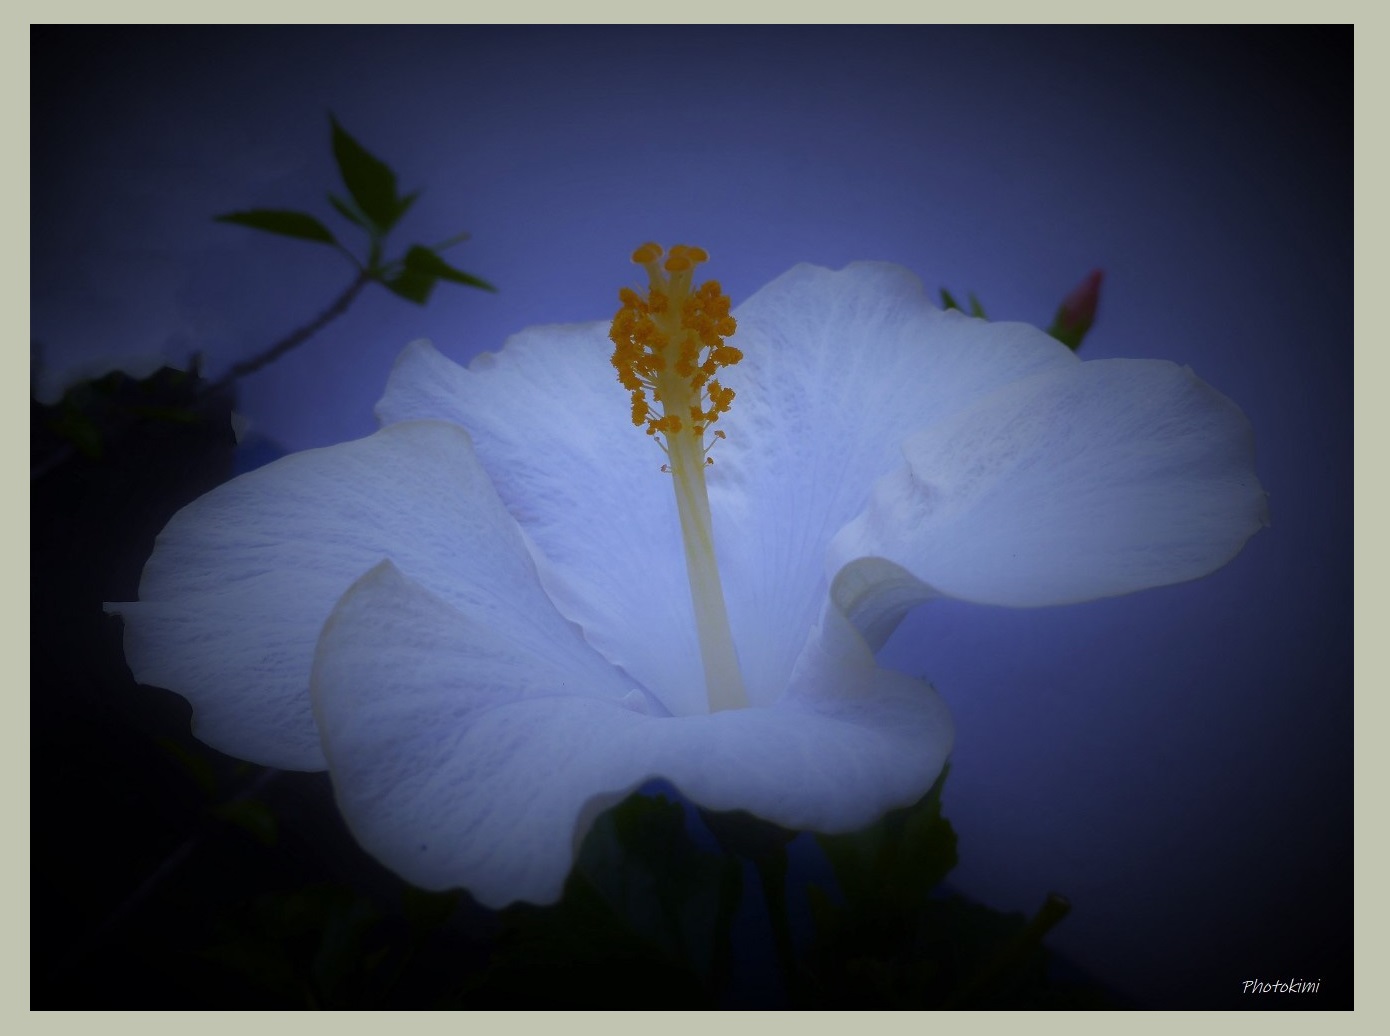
(948, 301)
(894, 864)
(403, 206)
(346, 210)
(414, 285)
(675, 895)
(646, 916)
(422, 260)
(369, 180)
(281, 221)
(976, 310)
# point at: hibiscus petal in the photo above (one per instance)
(460, 759)
(552, 426)
(839, 368)
(241, 581)
(1104, 478)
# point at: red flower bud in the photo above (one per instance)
(1078, 311)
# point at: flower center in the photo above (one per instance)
(668, 345)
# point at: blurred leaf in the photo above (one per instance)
(422, 260)
(312, 946)
(413, 285)
(403, 206)
(948, 301)
(644, 922)
(197, 766)
(642, 860)
(579, 954)
(1070, 335)
(253, 817)
(426, 911)
(348, 212)
(1015, 964)
(171, 414)
(748, 836)
(79, 429)
(894, 864)
(896, 942)
(369, 180)
(281, 221)
(340, 963)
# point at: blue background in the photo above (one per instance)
(1177, 763)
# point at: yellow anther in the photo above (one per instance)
(669, 343)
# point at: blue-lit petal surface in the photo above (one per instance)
(1100, 479)
(551, 424)
(241, 581)
(460, 758)
(839, 368)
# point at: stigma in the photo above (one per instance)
(668, 346)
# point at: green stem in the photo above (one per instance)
(295, 338)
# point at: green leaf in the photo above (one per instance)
(645, 922)
(369, 180)
(281, 221)
(1070, 335)
(315, 946)
(579, 954)
(422, 260)
(195, 764)
(426, 911)
(893, 865)
(170, 414)
(412, 285)
(948, 301)
(670, 892)
(976, 310)
(403, 206)
(79, 429)
(348, 213)
(253, 817)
